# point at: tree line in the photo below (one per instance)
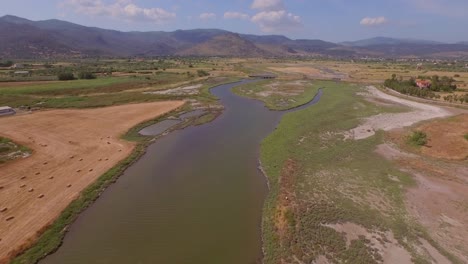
(438, 84)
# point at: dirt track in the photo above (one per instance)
(420, 112)
(71, 149)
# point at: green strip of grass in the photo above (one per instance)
(335, 181)
(43, 88)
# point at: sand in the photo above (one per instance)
(71, 149)
(386, 122)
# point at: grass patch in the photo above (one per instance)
(466, 136)
(417, 138)
(336, 181)
(10, 150)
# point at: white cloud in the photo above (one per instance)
(207, 16)
(373, 21)
(276, 21)
(124, 9)
(273, 16)
(268, 5)
(236, 15)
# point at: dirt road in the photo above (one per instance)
(71, 149)
(388, 121)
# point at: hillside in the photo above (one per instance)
(25, 39)
(226, 45)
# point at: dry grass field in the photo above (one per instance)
(71, 149)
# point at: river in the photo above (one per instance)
(195, 197)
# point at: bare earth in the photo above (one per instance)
(71, 149)
(391, 121)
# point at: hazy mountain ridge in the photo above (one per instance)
(23, 38)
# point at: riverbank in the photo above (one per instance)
(71, 150)
(331, 197)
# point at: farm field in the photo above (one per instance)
(71, 149)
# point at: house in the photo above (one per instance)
(6, 110)
(423, 84)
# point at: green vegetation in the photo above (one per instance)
(66, 76)
(417, 138)
(279, 95)
(86, 75)
(9, 150)
(438, 84)
(466, 136)
(8, 63)
(202, 73)
(332, 181)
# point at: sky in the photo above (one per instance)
(330, 20)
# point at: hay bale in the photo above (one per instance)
(71, 157)
(22, 185)
(40, 196)
(22, 178)
(51, 177)
(45, 163)
(4, 209)
(69, 185)
(37, 173)
(10, 218)
(90, 169)
(30, 190)
(78, 171)
(81, 160)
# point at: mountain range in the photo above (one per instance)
(26, 39)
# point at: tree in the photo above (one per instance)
(86, 75)
(8, 63)
(66, 76)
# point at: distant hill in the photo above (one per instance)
(229, 44)
(387, 41)
(25, 39)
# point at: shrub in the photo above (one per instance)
(66, 76)
(418, 138)
(86, 75)
(202, 73)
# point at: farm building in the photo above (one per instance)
(423, 84)
(6, 110)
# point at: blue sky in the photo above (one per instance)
(332, 20)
